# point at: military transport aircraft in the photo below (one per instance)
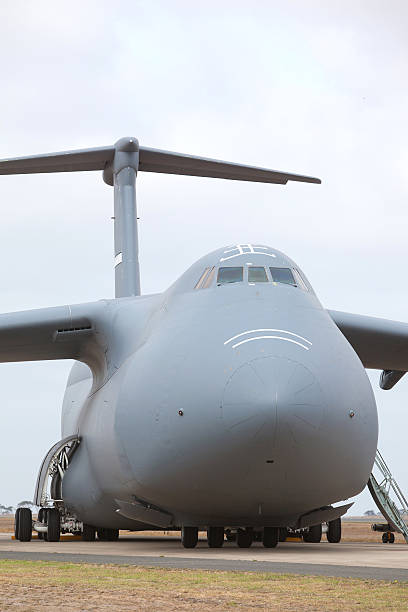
(232, 402)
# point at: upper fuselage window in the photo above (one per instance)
(257, 275)
(283, 275)
(230, 275)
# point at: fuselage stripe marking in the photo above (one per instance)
(252, 331)
(270, 338)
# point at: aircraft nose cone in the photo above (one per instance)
(270, 399)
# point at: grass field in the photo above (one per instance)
(39, 585)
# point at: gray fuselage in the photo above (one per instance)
(235, 404)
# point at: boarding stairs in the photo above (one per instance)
(389, 499)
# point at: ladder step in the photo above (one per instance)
(381, 494)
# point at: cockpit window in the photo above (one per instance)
(299, 280)
(257, 275)
(208, 279)
(283, 275)
(230, 275)
(202, 279)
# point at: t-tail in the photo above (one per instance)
(120, 164)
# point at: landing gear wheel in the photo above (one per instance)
(334, 531)
(270, 537)
(189, 537)
(391, 538)
(108, 535)
(313, 534)
(231, 536)
(16, 521)
(88, 533)
(384, 538)
(25, 525)
(244, 538)
(41, 520)
(215, 537)
(53, 524)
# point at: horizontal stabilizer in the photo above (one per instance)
(150, 160)
(68, 161)
(166, 162)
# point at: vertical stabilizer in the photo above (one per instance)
(122, 173)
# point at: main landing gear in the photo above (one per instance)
(23, 524)
(48, 525)
(51, 522)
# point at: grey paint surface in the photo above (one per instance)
(267, 400)
(208, 432)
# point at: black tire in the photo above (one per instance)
(88, 533)
(334, 531)
(53, 525)
(283, 534)
(16, 519)
(244, 538)
(25, 525)
(391, 538)
(215, 537)
(270, 537)
(189, 537)
(313, 534)
(113, 535)
(384, 538)
(107, 535)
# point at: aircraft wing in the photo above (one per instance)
(63, 332)
(381, 344)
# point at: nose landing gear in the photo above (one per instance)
(270, 537)
(108, 535)
(313, 534)
(189, 537)
(333, 533)
(215, 537)
(245, 537)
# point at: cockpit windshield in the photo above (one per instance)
(230, 275)
(226, 275)
(283, 275)
(257, 275)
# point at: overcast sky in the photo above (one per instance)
(307, 86)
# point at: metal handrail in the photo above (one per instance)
(381, 492)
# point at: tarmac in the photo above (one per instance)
(347, 559)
